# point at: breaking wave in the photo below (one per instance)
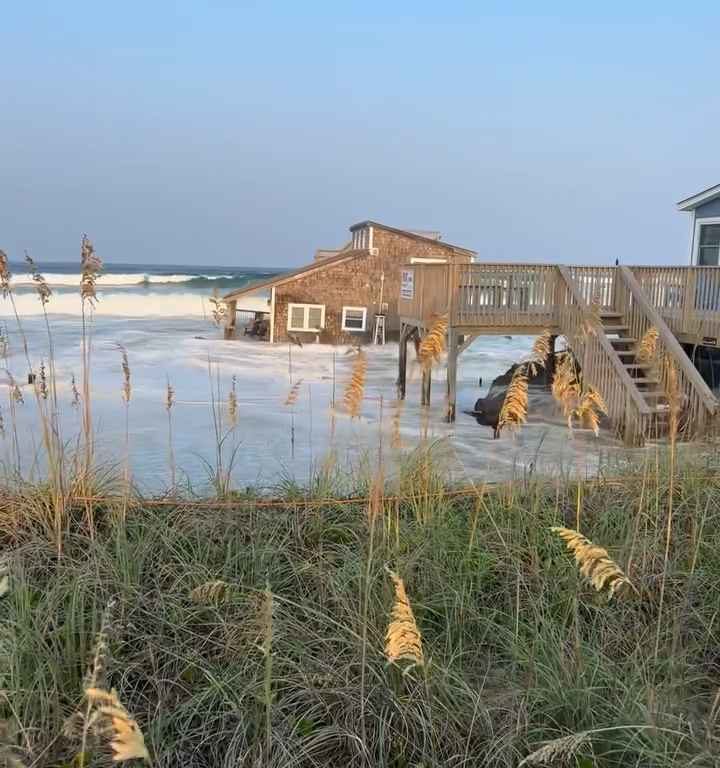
(131, 280)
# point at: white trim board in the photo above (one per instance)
(696, 236)
(364, 319)
(306, 316)
(690, 203)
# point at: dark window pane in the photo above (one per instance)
(710, 234)
(709, 255)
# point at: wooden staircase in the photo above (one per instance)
(605, 342)
(644, 375)
(602, 311)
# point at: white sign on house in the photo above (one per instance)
(407, 284)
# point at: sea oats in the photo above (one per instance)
(115, 723)
(219, 309)
(594, 561)
(566, 385)
(90, 266)
(75, 393)
(293, 393)
(233, 402)
(210, 592)
(125, 364)
(540, 351)
(433, 343)
(589, 410)
(355, 389)
(647, 346)
(169, 396)
(556, 752)
(5, 274)
(43, 289)
(42, 381)
(402, 639)
(513, 412)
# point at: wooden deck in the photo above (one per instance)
(602, 312)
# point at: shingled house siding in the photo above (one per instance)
(356, 283)
(351, 283)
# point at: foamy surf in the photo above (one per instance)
(124, 304)
(117, 280)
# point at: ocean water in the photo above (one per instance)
(162, 317)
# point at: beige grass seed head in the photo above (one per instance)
(433, 343)
(5, 274)
(41, 286)
(647, 346)
(123, 733)
(595, 563)
(513, 412)
(540, 351)
(293, 393)
(402, 639)
(210, 592)
(90, 266)
(556, 752)
(355, 389)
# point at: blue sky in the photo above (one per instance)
(250, 133)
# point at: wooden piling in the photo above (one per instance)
(402, 362)
(453, 342)
(425, 391)
(230, 318)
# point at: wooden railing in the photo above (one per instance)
(687, 298)
(600, 365)
(596, 285)
(698, 404)
(504, 295)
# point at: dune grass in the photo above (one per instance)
(241, 633)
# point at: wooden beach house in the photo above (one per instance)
(349, 294)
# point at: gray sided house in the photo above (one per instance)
(705, 226)
(337, 297)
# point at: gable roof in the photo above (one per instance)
(344, 255)
(691, 203)
(425, 237)
(287, 276)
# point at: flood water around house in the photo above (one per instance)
(169, 337)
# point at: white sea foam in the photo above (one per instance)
(176, 303)
(114, 280)
(181, 346)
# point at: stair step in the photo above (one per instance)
(610, 314)
(637, 365)
(646, 381)
(624, 352)
(623, 340)
(653, 395)
(615, 328)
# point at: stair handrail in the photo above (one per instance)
(610, 351)
(669, 341)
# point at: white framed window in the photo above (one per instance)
(306, 317)
(362, 238)
(354, 318)
(707, 242)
